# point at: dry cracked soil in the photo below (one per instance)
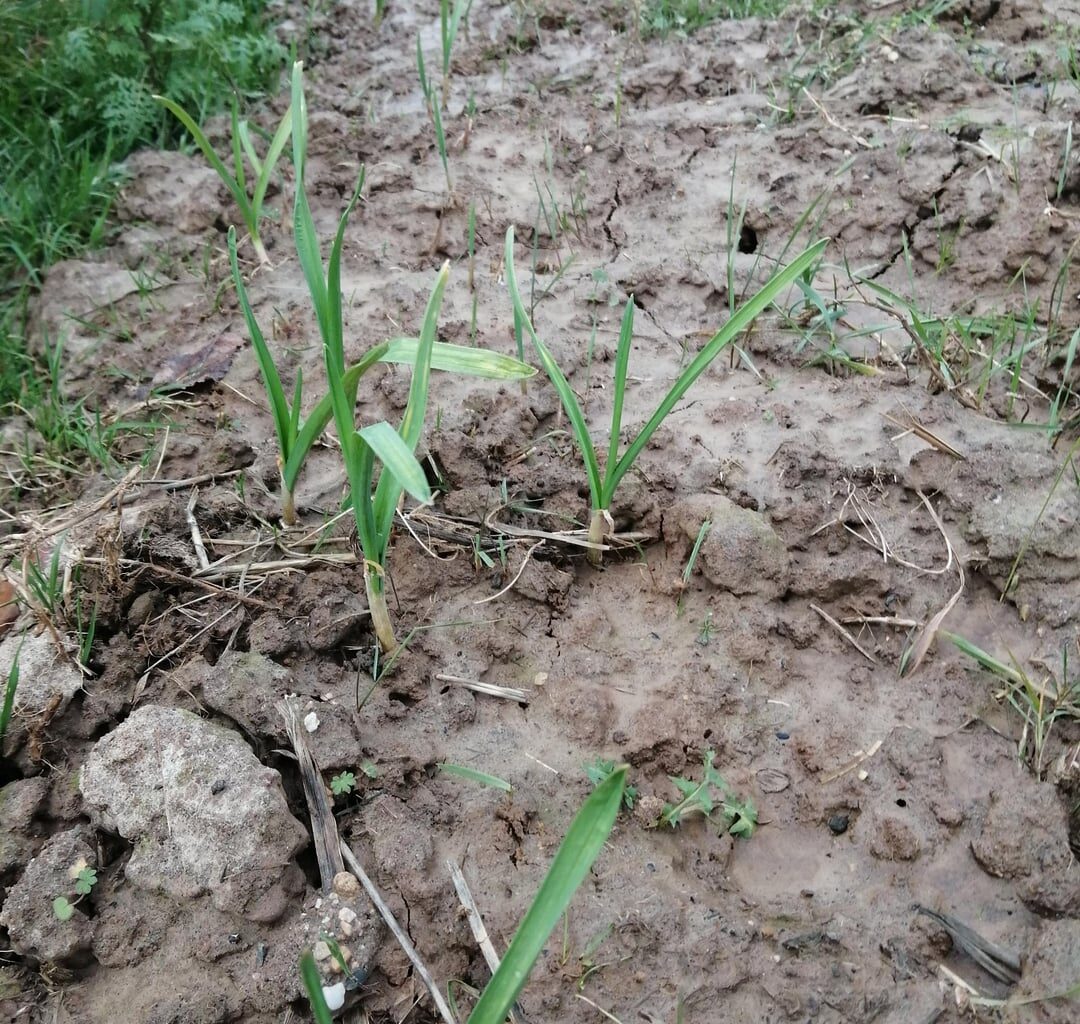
(865, 461)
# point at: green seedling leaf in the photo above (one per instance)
(309, 973)
(275, 393)
(9, 694)
(343, 783)
(250, 209)
(462, 772)
(370, 769)
(600, 770)
(62, 908)
(739, 817)
(397, 459)
(584, 840)
(462, 359)
(558, 379)
(85, 881)
(412, 423)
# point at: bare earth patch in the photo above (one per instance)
(936, 154)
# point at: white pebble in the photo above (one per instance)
(311, 721)
(334, 996)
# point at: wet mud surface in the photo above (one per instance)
(932, 151)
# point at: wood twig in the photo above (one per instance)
(324, 828)
(480, 933)
(845, 633)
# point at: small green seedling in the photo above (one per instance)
(313, 985)
(296, 436)
(343, 784)
(464, 772)
(85, 879)
(585, 839)
(712, 798)
(600, 770)
(251, 210)
(373, 505)
(449, 23)
(436, 117)
(9, 695)
(602, 486)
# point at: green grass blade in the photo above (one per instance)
(298, 394)
(333, 272)
(309, 973)
(237, 155)
(397, 459)
(412, 423)
(9, 694)
(238, 194)
(243, 134)
(421, 71)
(307, 241)
(279, 406)
(311, 429)
(622, 363)
(586, 837)
(464, 772)
(558, 380)
(471, 362)
(744, 316)
(273, 154)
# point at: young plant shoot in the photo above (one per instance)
(585, 839)
(602, 485)
(373, 504)
(251, 210)
(296, 436)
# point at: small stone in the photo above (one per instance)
(311, 721)
(781, 735)
(346, 884)
(334, 995)
(838, 824)
(321, 951)
(346, 919)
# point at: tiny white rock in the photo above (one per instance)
(311, 721)
(334, 996)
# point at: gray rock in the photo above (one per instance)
(741, 554)
(247, 687)
(34, 929)
(203, 814)
(19, 802)
(45, 677)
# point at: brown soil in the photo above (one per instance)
(936, 149)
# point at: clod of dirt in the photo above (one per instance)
(33, 928)
(19, 802)
(246, 687)
(741, 554)
(47, 682)
(1024, 836)
(204, 815)
(894, 839)
(171, 189)
(1050, 968)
